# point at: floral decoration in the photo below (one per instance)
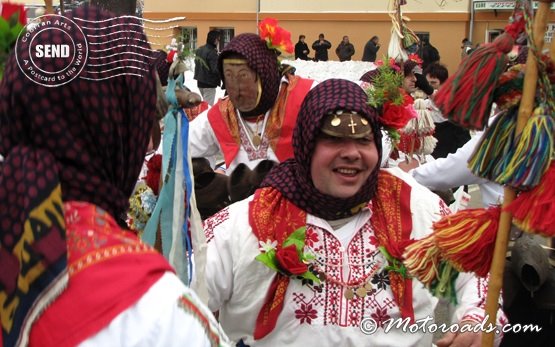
(141, 206)
(414, 57)
(275, 36)
(144, 198)
(12, 22)
(386, 94)
(288, 259)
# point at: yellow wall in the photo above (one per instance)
(229, 6)
(446, 32)
(374, 6)
(448, 22)
(299, 6)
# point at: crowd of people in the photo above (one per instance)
(306, 220)
(345, 50)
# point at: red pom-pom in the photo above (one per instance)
(467, 96)
(534, 211)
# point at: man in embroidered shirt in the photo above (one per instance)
(314, 253)
(256, 120)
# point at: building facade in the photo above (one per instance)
(444, 22)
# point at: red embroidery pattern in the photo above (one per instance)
(189, 305)
(87, 247)
(306, 313)
(261, 152)
(326, 304)
(443, 208)
(211, 223)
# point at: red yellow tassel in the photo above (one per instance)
(467, 238)
(467, 96)
(422, 259)
(534, 211)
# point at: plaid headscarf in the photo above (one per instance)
(292, 177)
(162, 66)
(263, 61)
(87, 137)
(97, 131)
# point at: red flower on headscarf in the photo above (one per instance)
(397, 116)
(8, 9)
(275, 36)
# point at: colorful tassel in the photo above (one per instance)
(532, 154)
(422, 259)
(508, 92)
(467, 96)
(467, 238)
(494, 151)
(534, 211)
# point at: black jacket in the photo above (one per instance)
(370, 51)
(206, 67)
(345, 51)
(299, 48)
(321, 50)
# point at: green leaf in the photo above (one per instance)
(296, 238)
(269, 260)
(299, 245)
(15, 30)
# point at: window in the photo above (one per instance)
(423, 35)
(227, 35)
(492, 34)
(189, 38)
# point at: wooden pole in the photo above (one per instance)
(525, 110)
(49, 9)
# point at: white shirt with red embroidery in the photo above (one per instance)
(322, 315)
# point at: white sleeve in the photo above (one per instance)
(471, 300)
(168, 314)
(202, 140)
(449, 172)
(219, 258)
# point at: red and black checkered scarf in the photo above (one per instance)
(263, 61)
(87, 137)
(292, 177)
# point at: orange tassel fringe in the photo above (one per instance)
(467, 238)
(422, 258)
(534, 211)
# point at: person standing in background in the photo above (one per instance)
(301, 49)
(449, 135)
(206, 67)
(320, 48)
(345, 50)
(371, 49)
(428, 53)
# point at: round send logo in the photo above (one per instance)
(52, 50)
